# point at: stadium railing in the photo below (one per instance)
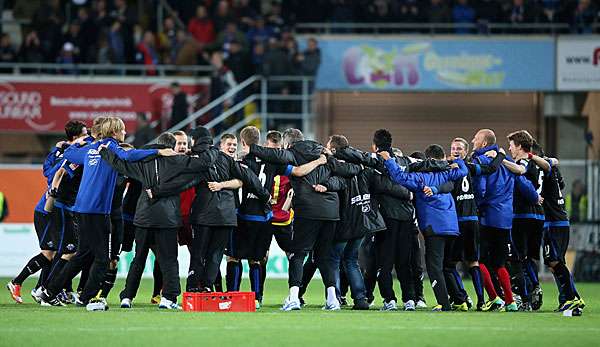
(437, 28)
(102, 69)
(248, 93)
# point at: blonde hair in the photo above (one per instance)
(96, 128)
(463, 141)
(111, 126)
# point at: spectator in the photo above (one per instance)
(311, 58)
(179, 44)
(409, 11)
(576, 202)
(548, 11)
(147, 53)
(221, 81)
(583, 17)
(26, 9)
(143, 132)
(31, 50)
(259, 32)
(179, 111)
(127, 17)
(116, 41)
(258, 58)
(73, 36)
(89, 33)
(487, 11)
(103, 53)
(438, 13)
(201, 27)
(225, 38)
(379, 12)
(245, 14)
(275, 63)
(167, 41)
(239, 62)
(3, 207)
(463, 13)
(102, 20)
(518, 13)
(274, 19)
(67, 58)
(222, 16)
(48, 24)
(7, 51)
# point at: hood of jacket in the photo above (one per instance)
(307, 151)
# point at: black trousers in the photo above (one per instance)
(394, 249)
(208, 246)
(416, 266)
(163, 242)
(434, 262)
(94, 241)
(318, 236)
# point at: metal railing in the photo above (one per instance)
(438, 28)
(102, 69)
(263, 100)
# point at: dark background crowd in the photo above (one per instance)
(253, 34)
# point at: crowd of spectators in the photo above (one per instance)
(124, 32)
(252, 35)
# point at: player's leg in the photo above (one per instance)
(238, 240)
(470, 232)
(263, 237)
(403, 254)
(327, 266)
(99, 225)
(136, 268)
(531, 266)
(500, 252)
(386, 255)
(416, 268)
(368, 265)
(166, 248)
(434, 262)
(453, 281)
(218, 237)
(354, 275)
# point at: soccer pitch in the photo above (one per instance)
(31, 325)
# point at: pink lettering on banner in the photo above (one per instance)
(376, 68)
(596, 56)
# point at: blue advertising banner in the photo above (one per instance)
(437, 64)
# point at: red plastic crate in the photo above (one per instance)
(219, 302)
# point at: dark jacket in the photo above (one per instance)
(395, 203)
(161, 212)
(212, 208)
(307, 202)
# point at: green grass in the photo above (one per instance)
(29, 324)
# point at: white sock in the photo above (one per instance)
(294, 293)
(331, 295)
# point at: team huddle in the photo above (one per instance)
(353, 215)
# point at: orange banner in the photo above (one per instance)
(22, 189)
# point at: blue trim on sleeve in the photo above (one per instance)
(528, 216)
(560, 223)
(288, 170)
(477, 170)
(254, 218)
(434, 190)
(468, 218)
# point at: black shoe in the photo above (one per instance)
(302, 302)
(525, 307)
(361, 304)
(343, 301)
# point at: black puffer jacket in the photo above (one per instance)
(160, 212)
(307, 202)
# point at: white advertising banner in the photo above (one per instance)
(18, 243)
(578, 63)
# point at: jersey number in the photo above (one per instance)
(540, 182)
(465, 184)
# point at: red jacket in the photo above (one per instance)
(202, 30)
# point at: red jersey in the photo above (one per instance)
(187, 197)
(281, 188)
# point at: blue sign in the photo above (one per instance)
(437, 64)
